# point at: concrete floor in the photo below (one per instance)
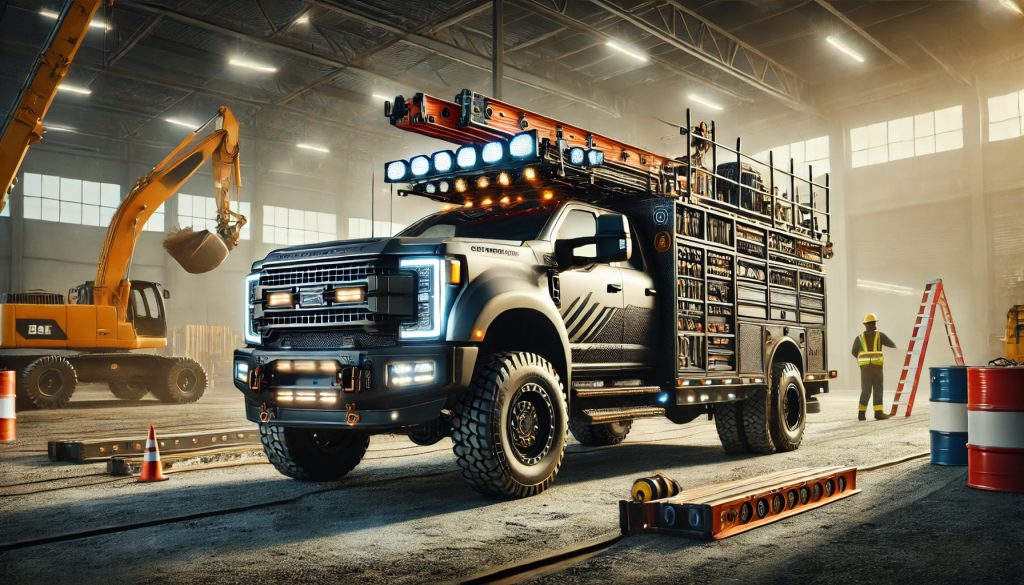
(405, 516)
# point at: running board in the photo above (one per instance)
(616, 391)
(723, 510)
(599, 416)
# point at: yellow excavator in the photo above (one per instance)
(53, 341)
(1013, 343)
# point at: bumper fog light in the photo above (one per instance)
(406, 373)
(242, 371)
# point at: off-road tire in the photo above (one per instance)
(313, 454)
(182, 381)
(131, 390)
(789, 407)
(599, 435)
(729, 424)
(756, 418)
(47, 382)
(485, 442)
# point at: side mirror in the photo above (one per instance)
(167, 295)
(612, 244)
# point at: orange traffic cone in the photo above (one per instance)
(152, 470)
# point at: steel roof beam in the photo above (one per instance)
(863, 33)
(684, 29)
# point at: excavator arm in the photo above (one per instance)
(196, 252)
(25, 125)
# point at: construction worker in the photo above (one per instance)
(867, 348)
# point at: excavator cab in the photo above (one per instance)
(145, 309)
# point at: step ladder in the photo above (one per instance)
(934, 297)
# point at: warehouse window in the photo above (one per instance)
(200, 213)
(907, 137)
(1006, 116)
(359, 227)
(282, 225)
(52, 198)
(812, 152)
(157, 221)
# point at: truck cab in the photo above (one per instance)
(531, 305)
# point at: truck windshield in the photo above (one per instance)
(518, 221)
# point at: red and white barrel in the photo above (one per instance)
(7, 412)
(995, 429)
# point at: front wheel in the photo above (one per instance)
(184, 382)
(313, 454)
(48, 382)
(509, 430)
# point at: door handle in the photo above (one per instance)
(650, 292)
(614, 288)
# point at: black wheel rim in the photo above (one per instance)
(792, 410)
(51, 382)
(530, 421)
(186, 381)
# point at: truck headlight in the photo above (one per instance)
(407, 373)
(431, 299)
(251, 335)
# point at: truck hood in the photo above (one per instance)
(368, 247)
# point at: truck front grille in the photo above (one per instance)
(317, 318)
(318, 274)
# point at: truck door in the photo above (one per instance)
(146, 310)
(591, 298)
(638, 327)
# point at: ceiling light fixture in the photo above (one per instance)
(55, 15)
(639, 56)
(315, 147)
(1012, 5)
(304, 19)
(247, 64)
(184, 123)
(59, 128)
(832, 40)
(705, 102)
(885, 287)
(74, 89)
(380, 97)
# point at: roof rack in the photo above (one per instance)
(577, 163)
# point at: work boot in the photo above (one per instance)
(879, 415)
(861, 416)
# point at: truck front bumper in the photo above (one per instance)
(351, 388)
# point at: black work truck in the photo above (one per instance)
(569, 283)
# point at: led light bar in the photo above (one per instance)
(521, 147)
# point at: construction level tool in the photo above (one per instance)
(85, 451)
(934, 296)
(723, 510)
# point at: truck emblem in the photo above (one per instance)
(312, 297)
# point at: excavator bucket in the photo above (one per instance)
(196, 252)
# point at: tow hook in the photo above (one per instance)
(351, 417)
(267, 413)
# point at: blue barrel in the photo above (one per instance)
(948, 406)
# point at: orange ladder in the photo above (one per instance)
(934, 296)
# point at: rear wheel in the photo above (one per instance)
(755, 418)
(128, 389)
(789, 407)
(599, 435)
(729, 423)
(313, 454)
(48, 382)
(183, 382)
(509, 430)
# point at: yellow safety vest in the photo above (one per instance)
(870, 358)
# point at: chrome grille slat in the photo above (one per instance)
(318, 274)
